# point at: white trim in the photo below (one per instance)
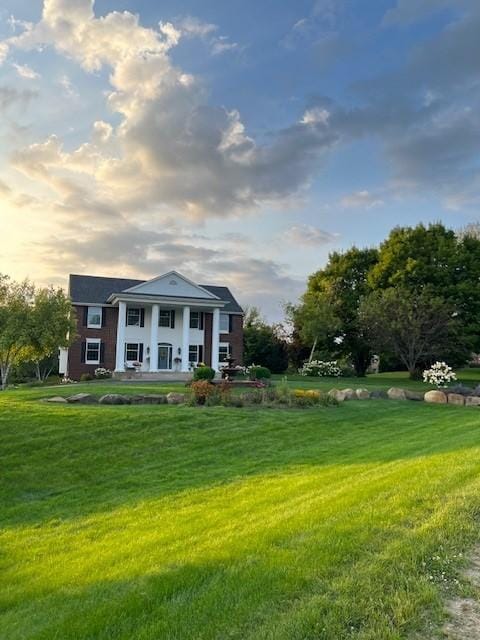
(92, 341)
(215, 338)
(90, 325)
(165, 300)
(229, 352)
(120, 362)
(185, 338)
(138, 287)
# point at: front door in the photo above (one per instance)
(164, 356)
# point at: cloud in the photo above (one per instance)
(306, 235)
(10, 96)
(408, 11)
(24, 71)
(361, 199)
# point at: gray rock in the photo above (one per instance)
(114, 398)
(437, 397)
(349, 394)
(394, 393)
(157, 398)
(414, 395)
(175, 398)
(363, 394)
(338, 395)
(456, 398)
(59, 399)
(82, 398)
(379, 394)
(472, 401)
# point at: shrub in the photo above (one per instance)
(202, 390)
(204, 373)
(321, 368)
(439, 374)
(256, 372)
(86, 377)
(102, 374)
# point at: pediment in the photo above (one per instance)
(172, 284)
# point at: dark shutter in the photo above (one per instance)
(83, 351)
(126, 316)
(230, 319)
(102, 353)
(172, 320)
(200, 352)
(104, 316)
(142, 317)
(140, 352)
(201, 322)
(85, 316)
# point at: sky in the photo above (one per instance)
(236, 142)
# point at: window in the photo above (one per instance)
(134, 317)
(195, 353)
(92, 351)
(223, 352)
(224, 323)
(94, 317)
(166, 318)
(196, 320)
(133, 352)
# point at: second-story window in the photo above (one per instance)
(196, 320)
(134, 316)
(224, 323)
(166, 318)
(94, 317)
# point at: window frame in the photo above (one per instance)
(198, 316)
(222, 329)
(221, 346)
(127, 349)
(163, 314)
(98, 343)
(91, 325)
(199, 351)
(134, 324)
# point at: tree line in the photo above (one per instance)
(412, 300)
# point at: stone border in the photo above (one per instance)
(117, 399)
(395, 393)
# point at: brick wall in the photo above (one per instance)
(235, 339)
(108, 336)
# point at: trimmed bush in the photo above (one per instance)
(202, 391)
(256, 372)
(204, 373)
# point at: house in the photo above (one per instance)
(152, 328)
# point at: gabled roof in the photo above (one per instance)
(98, 289)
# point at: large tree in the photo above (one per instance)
(327, 316)
(15, 329)
(263, 344)
(52, 326)
(436, 260)
(416, 327)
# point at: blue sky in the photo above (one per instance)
(237, 142)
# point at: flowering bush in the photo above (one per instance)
(257, 372)
(439, 374)
(102, 373)
(321, 368)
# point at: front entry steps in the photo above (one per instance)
(152, 376)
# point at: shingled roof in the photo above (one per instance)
(97, 290)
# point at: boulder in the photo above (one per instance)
(158, 398)
(394, 393)
(456, 398)
(175, 398)
(114, 398)
(414, 395)
(379, 394)
(64, 400)
(338, 395)
(363, 394)
(472, 401)
(436, 396)
(82, 398)
(349, 394)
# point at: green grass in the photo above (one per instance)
(152, 522)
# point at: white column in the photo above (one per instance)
(215, 338)
(120, 359)
(185, 338)
(154, 338)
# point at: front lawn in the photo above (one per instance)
(177, 522)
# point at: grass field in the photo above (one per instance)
(148, 522)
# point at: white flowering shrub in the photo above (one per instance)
(321, 368)
(439, 374)
(101, 373)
